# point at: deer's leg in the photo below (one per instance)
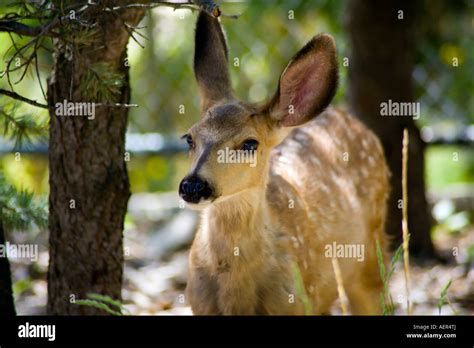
(237, 294)
(202, 293)
(364, 292)
(364, 300)
(366, 289)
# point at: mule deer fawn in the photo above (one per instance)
(318, 187)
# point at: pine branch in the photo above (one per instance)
(117, 105)
(10, 26)
(22, 128)
(16, 96)
(18, 209)
(101, 82)
(195, 5)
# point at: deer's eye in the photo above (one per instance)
(250, 145)
(189, 141)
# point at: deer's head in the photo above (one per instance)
(231, 144)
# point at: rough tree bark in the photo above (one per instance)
(89, 187)
(380, 68)
(7, 304)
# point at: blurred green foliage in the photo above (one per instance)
(447, 165)
(261, 43)
(444, 73)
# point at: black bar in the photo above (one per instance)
(347, 330)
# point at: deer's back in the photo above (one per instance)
(328, 183)
(334, 157)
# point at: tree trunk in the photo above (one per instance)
(89, 187)
(380, 68)
(7, 304)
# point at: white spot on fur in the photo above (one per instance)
(371, 161)
(314, 160)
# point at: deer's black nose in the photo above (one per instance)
(193, 188)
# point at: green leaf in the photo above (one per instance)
(396, 256)
(443, 299)
(97, 304)
(380, 260)
(106, 299)
(382, 303)
(300, 289)
(102, 302)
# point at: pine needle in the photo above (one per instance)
(101, 83)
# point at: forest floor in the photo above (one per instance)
(156, 252)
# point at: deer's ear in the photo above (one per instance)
(308, 83)
(210, 61)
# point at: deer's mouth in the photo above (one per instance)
(201, 205)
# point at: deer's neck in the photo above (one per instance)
(238, 226)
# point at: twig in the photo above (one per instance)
(118, 105)
(38, 76)
(130, 30)
(340, 286)
(152, 4)
(19, 28)
(188, 5)
(44, 30)
(23, 99)
(406, 236)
